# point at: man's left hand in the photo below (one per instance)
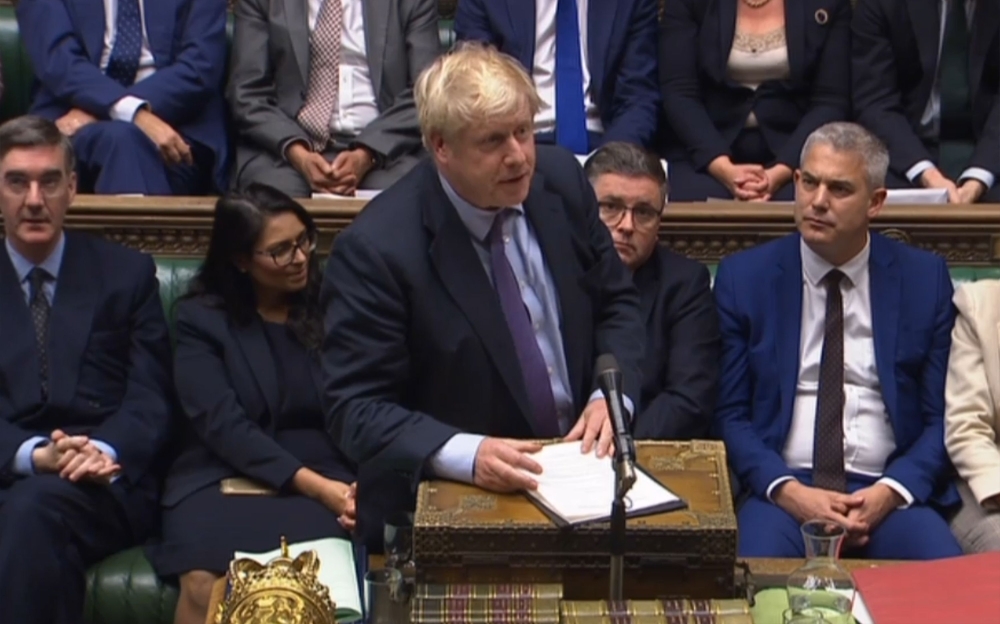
(594, 426)
(84, 461)
(878, 501)
(970, 191)
(350, 167)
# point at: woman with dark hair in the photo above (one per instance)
(256, 462)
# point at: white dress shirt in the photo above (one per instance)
(125, 108)
(868, 434)
(544, 70)
(930, 122)
(356, 103)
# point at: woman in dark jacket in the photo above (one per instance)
(744, 82)
(256, 461)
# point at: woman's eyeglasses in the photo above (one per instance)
(284, 254)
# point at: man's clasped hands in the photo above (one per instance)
(74, 458)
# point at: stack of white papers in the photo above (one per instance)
(575, 488)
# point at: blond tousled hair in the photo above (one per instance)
(469, 85)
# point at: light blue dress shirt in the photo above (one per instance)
(455, 460)
(22, 463)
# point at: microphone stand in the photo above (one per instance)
(624, 480)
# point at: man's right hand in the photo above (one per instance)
(806, 503)
(933, 178)
(70, 123)
(500, 464)
(317, 171)
(74, 458)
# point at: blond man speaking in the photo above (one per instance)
(467, 304)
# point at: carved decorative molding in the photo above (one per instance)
(180, 226)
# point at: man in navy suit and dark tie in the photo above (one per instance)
(835, 348)
(467, 305)
(594, 63)
(137, 85)
(680, 368)
(84, 386)
(926, 79)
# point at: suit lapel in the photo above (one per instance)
(601, 19)
(647, 279)
(727, 31)
(925, 15)
(521, 14)
(77, 288)
(297, 24)
(547, 216)
(462, 274)
(985, 27)
(795, 35)
(19, 355)
(786, 313)
(885, 300)
(260, 358)
(160, 22)
(377, 14)
(90, 18)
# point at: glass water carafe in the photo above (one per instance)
(822, 585)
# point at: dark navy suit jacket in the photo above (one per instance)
(706, 110)
(680, 370)
(759, 294)
(64, 40)
(895, 56)
(109, 364)
(228, 386)
(621, 52)
(417, 347)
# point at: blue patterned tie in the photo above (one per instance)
(533, 368)
(124, 60)
(571, 118)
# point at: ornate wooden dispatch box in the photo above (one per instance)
(463, 534)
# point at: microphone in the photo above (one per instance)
(608, 376)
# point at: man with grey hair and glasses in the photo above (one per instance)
(680, 368)
(835, 347)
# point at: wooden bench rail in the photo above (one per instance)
(180, 226)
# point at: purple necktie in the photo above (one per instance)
(533, 368)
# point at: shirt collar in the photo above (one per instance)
(479, 222)
(815, 268)
(23, 266)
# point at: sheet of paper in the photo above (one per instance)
(916, 196)
(336, 570)
(358, 194)
(581, 487)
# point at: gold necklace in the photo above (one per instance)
(755, 4)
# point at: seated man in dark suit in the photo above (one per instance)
(84, 386)
(680, 370)
(137, 85)
(593, 63)
(321, 92)
(835, 348)
(927, 82)
(467, 304)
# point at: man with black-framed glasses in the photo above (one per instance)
(680, 367)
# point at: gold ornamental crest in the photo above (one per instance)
(285, 591)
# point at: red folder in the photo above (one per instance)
(960, 590)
